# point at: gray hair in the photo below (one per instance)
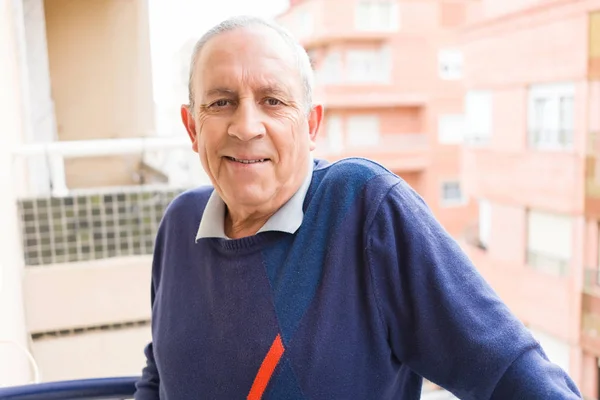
(239, 22)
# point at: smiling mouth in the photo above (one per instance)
(259, 160)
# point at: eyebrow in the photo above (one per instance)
(265, 89)
(219, 91)
(274, 89)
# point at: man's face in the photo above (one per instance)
(250, 125)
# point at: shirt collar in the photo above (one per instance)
(287, 219)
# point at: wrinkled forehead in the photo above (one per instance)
(248, 59)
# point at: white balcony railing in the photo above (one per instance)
(548, 139)
(153, 149)
(549, 263)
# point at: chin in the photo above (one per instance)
(250, 195)
(251, 201)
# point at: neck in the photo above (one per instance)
(237, 227)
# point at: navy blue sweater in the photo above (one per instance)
(367, 297)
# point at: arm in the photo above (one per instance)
(147, 388)
(444, 321)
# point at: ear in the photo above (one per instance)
(314, 122)
(190, 125)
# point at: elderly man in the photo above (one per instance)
(298, 279)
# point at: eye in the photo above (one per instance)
(221, 103)
(273, 102)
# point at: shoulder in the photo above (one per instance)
(386, 196)
(354, 173)
(356, 185)
(355, 168)
(357, 175)
(188, 206)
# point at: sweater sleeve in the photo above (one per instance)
(442, 319)
(147, 387)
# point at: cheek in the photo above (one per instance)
(210, 135)
(290, 134)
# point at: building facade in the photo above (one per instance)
(530, 160)
(391, 79)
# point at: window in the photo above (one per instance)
(485, 223)
(368, 66)
(450, 64)
(363, 130)
(451, 128)
(549, 241)
(566, 117)
(478, 118)
(551, 116)
(376, 15)
(335, 136)
(331, 70)
(452, 194)
(542, 124)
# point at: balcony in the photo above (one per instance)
(117, 388)
(324, 23)
(591, 281)
(594, 67)
(398, 152)
(69, 225)
(89, 389)
(81, 243)
(513, 177)
(472, 237)
(344, 36)
(590, 315)
(361, 96)
(547, 139)
(547, 263)
(594, 46)
(151, 149)
(592, 181)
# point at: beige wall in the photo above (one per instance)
(111, 296)
(92, 355)
(90, 293)
(99, 56)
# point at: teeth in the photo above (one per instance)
(248, 161)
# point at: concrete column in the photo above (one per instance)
(14, 365)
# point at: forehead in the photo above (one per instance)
(251, 58)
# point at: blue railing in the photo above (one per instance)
(84, 389)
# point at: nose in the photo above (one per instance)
(247, 123)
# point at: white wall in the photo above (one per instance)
(13, 363)
(41, 124)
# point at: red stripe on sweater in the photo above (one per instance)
(266, 369)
